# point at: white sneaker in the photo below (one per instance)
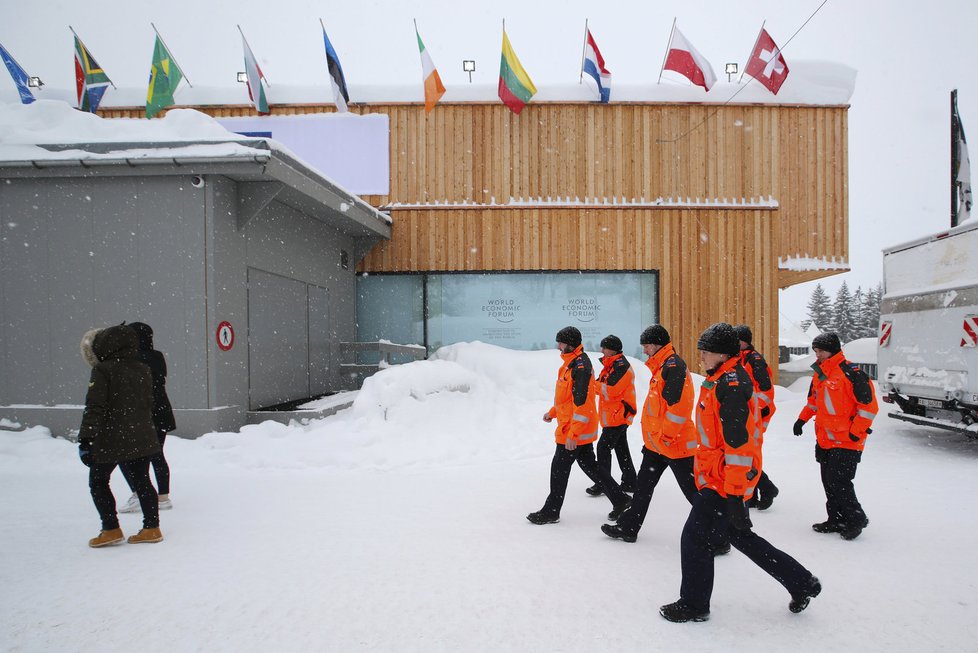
(132, 505)
(165, 503)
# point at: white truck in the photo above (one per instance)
(928, 339)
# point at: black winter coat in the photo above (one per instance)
(117, 424)
(162, 410)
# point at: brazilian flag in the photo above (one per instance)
(164, 77)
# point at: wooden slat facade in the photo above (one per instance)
(714, 264)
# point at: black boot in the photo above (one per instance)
(595, 490)
(681, 612)
(619, 510)
(542, 517)
(800, 601)
(721, 549)
(852, 531)
(614, 531)
(828, 527)
(767, 497)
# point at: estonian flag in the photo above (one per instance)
(336, 78)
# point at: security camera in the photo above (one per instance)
(197, 181)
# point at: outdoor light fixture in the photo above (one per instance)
(731, 70)
(243, 78)
(34, 82)
(468, 65)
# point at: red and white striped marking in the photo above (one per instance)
(970, 326)
(886, 328)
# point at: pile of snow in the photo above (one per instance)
(398, 524)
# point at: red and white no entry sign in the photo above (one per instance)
(225, 336)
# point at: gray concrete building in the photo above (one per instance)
(241, 257)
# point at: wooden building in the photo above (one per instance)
(712, 199)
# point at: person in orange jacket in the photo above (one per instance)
(577, 428)
(842, 399)
(616, 407)
(667, 429)
(726, 465)
(760, 374)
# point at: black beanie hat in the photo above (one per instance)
(612, 342)
(827, 342)
(743, 332)
(655, 335)
(719, 338)
(569, 336)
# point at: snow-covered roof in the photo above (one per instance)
(862, 350)
(810, 83)
(52, 137)
(790, 334)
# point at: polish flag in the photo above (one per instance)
(767, 64)
(686, 60)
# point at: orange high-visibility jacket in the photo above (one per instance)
(728, 459)
(843, 400)
(667, 418)
(760, 374)
(575, 400)
(616, 391)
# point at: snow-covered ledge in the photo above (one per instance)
(760, 203)
(808, 263)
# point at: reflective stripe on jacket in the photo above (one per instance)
(616, 391)
(667, 417)
(760, 375)
(728, 458)
(575, 400)
(843, 400)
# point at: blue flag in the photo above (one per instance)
(20, 77)
(336, 79)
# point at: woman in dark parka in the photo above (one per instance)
(117, 430)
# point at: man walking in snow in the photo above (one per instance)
(726, 466)
(843, 400)
(616, 406)
(760, 374)
(667, 428)
(577, 428)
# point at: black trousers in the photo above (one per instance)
(705, 528)
(136, 473)
(614, 438)
(653, 466)
(160, 467)
(560, 469)
(838, 468)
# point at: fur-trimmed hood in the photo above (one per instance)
(110, 342)
(86, 346)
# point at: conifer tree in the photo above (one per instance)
(842, 313)
(820, 309)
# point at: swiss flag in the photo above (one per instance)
(767, 64)
(686, 60)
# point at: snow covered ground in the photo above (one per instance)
(399, 525)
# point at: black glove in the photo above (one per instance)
(765, 411)
(737, 512)
(799, 425)
(85, 452)
(854, 437)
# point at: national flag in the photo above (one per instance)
(336, 79)
(164, 77)
(256, 92)
(767, 64)
(515, 86)
(91, 81)
(20, 77)
(594, 67)
(960, 168)
(433, 88)
(686, 60)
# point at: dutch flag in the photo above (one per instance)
(594, 67)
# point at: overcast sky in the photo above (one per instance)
(908, 56)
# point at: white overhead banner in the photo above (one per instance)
(350, 149)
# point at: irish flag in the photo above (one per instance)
(515, 86)
(433, 88)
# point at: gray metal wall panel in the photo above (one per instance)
(320, 348)
(278, 353)
(93, 252)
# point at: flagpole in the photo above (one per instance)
(83, 46)
(583, 53)
(171, 54)
(753, 47)
(955, 158)
(668, 47)
(262, 75)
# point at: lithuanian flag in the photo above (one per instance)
(515, 86)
